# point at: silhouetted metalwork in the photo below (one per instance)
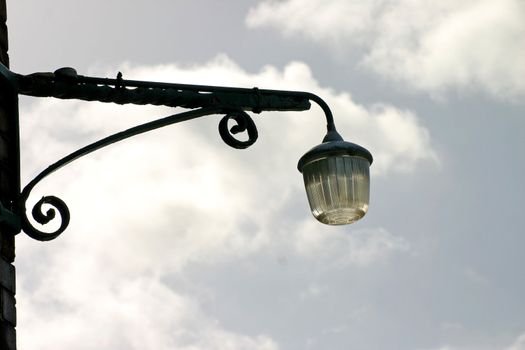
(56, 203)
(244, 123)
(66, 84)
(233, 102)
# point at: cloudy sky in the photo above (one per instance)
(179, 242)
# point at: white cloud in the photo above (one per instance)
(82, 307)
(434, 46)
(178, 197)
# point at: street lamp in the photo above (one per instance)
(337, 180)
(336, 172)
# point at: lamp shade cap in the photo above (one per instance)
(334, 148)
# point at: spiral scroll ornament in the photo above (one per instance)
(46, 217)
(244, 124)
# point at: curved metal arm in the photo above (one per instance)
(65, 83)
(244, 123)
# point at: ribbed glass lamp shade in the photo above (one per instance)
(337, 180)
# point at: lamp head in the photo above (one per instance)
(337, 180)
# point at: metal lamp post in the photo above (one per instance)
(336, 172)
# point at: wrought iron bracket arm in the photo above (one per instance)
(57, 204)
(65, 83)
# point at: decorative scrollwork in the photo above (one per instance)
(44, 218)
(244, 123)
(56, 203)
(203, 100)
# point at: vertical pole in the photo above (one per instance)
(9, 189)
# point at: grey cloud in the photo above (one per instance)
(437, 47)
